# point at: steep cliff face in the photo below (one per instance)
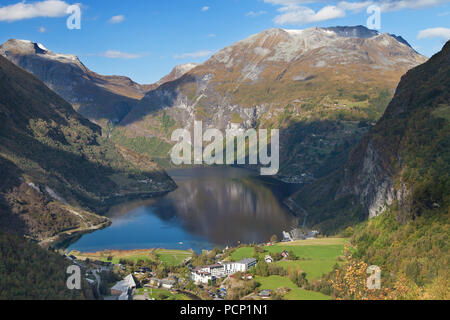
(408, 147)
(401, 165)
(55, 168)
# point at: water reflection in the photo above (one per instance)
(212, 206)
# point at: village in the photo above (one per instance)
(228, 274)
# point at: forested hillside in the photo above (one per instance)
(56, 174)
(28, 272)
(56, 168)
(398, 176)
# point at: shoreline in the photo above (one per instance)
(66, 236)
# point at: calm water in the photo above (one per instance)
(212, 206)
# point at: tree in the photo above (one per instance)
(348, 232)
(262, 269)
(298, 277)
(350, 283)
(274, 239)
(161, 272)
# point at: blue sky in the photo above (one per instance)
(145, 39)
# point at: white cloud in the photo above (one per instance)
(24, 10)
(304, 15)
(117, 19)
(42, 30)
(121, 55)
(256, 13)
(211, 35)
(354, 6)
(443, 33)
(205, 8)
(194, 55)
(296, 11)
(395, 5)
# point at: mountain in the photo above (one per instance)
(397, 179)
(56, 170)
(403, 162)
(405, 158)
(317, 85)
(176, 73)
(99, 98)
(102, 99)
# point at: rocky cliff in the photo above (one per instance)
(406, 147)
(401, 165)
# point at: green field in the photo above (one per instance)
(316, 256)
(169, 257)
(155, 294)
(275, 282)
(173, 257)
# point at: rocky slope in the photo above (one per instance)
(315, 84)
(399, 174)
(400, 159)
(56, 170)
(176, 73)
(402, 165)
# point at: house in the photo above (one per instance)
(240, 266)
(205, 274)
(168, 283)
(248, 263)
(265, 294)
(124, 287)
(268, 259)
(202, 277)
(285, 254)
(153, 282)
(216, 270)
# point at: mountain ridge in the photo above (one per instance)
(101, 98)
(287, 79)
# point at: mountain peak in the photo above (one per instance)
(27, 47)
(328, 45)
(353, 31)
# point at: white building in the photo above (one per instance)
(202, 275)
(268, 259)
(123, 288)
(241, 266)
(168, 284)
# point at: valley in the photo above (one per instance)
(86, 175)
